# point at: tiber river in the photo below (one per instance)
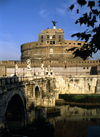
(77, 122)
(73, 122)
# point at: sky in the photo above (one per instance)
(22, 20)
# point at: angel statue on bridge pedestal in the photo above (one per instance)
(28, 64)
(16, 70)
(42, 67)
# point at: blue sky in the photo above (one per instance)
(22, 20)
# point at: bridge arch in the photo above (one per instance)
(15, 110)
(37, 92)
(37, 95)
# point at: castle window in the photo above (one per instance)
(42, 37)
(53, 42)
(74, 43)
(69, 43)
(87, 67)
(47, 42)
(42, 40)
(53, 36)
(50, 42)
(78, 43)
(59, 40)
(59, 36)
(83, 67)
(47, 36)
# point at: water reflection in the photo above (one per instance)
(77, 122)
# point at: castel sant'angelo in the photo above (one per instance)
(51, 49)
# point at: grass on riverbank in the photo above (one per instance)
(80, 98)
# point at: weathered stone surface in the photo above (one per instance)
(42, 92)
(77, 84)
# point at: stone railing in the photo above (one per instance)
(4, 81)
(8, 80)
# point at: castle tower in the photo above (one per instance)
(50, 47)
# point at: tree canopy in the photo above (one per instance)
(91, 35)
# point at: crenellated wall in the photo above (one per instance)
(89, 67)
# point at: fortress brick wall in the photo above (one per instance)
(66, 68)
(51, 45)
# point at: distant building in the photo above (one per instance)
(52, 49)
(51, 46)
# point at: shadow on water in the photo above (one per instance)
(39, 128)
(77, 122)
(73, 121)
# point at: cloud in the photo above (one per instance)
(43, 13)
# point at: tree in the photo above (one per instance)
(91, 35)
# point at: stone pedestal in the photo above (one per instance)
(42, 73)
(28, 75)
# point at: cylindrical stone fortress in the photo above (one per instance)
(51, 46)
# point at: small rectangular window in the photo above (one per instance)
(42, 37)
(42, 40)
(47, 42)
(47, 36)
(53, 42)
(78, 43)
(53, 36)
(59, 40)
(59, 36)
(50, 42)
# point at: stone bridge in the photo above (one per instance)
(19, 98)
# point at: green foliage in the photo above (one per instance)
(80, 98)
(91, 35)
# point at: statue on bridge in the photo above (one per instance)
(42, 67)
(16, 69)
(28, 64)
(29, 71)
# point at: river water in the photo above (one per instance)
(73, 121)
(76, 122)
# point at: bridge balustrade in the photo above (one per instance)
(8, 80)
